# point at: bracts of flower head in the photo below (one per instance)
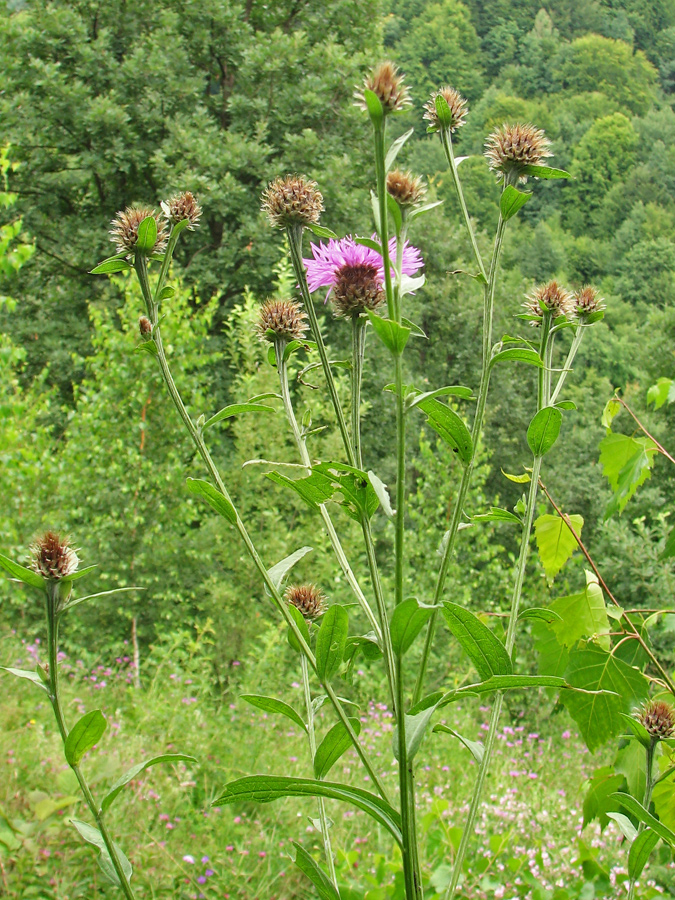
(308, 599)
(512, 149)
(658, 719)
(125, 225)
(554, 298)
(283, 320)
(183, 207)
(387, 83)
(293, 200)
(456, 104)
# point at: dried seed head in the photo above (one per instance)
(587, 301)
(308, 598)
(357, 288)
(125, 225)
(286, 318)
(511, 148)
(387, 84)
(145, 326)
(182, 206)
(551, 296)
(293, 200)
(53, 557)
(456, 103)
(658, 717)
(407, 189)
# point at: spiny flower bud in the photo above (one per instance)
(293, 200)
(658, 717)
(308, 598)
(125, 225)
(586, 301)
(356, 289)
(53, 557)
(456, 104)
(386, 83)
(182, 206)
(407, 189)
(511, 148)
(286, 318)
(551, 296)
(145, 326)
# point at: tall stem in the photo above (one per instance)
(359, 325)
(578, 335)
(446, 140)
(649, 785)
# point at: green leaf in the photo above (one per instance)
(299, 620)
(166, 293)
(28, 576)
(25, 673)
(545, 172)
(534, 612)
(442, 112)
(555, 541)
(410, 284)
(382, 493)
(455, 390)
(265, 788)
(498, 515)
(612, 407)
(640, 851)
(475, 748)
(111, 266)
(518, 479)
(87, 732)
(147, 347)
(271, 705)
(374, 107)
(323, 232)
(395, 213)
(661, 392)
(131, 773)
(597, 714)
(565, 404)
(236, 409)
(669, 549)
(79, 574)
(369, 242)
(147, 235)
(416, 724)
(71, 603)
(331, 641)
(348, 486)
(543, 430)
(484, 649)
(626, 463)
(518, 354)
(407, 621)
(418, 210)
(93, 836)
(502, 683)
(279, 571)
(336, 742)
(553, 656)
(597, 803)
(446, 423)
(511, 201)
(627, 828)
(637, 809)
(393, 336)
(315, 873)
(638, 729)
(213, 497)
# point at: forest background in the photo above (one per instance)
(105, 106)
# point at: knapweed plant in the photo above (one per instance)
(367, 280)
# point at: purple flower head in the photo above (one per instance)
(354, 274)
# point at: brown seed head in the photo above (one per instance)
(145, 326)
(587, 301)
(308, 598)
(511, 148)
(658, 717)
(124, 231)
(356, 290)
(456, 103)
(286, 318)
(551, 296)
(182, 206)
(293, 200)
(387, 84)
(53, 557)
(407, 189)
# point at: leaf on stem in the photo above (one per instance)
(322, 232)
(502, 683)
(93, 836)
(336, 742)
(637, 809)
(555, 541)
(626, 463)
(28, 576)
(640, 851)
(498, 515)
(407, 621)
(147, 235)
(131, 773)
(582, 615)
(279, 571)
(597, 803)
(272, 705)
(475, 748)
(416, 724)
(84, 735)
(545, 172)
(25, 673)
(413, 397)
(302, 626)
(382, 493)
(346, 485)
(518, 354)
(324, 886)
(236, 409)
(213, 497)
(111, 266)
(393, 336)
(543, 430)
(331, 641)
(511, 201)
(662, 392)
(484, 649)
(446, 423)
(71, 603)
(534, 612)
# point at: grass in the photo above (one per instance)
(529, 840)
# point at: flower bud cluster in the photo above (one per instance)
(561, 302)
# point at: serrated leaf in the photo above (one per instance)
(266, 788)
(147, 235)
(498, 515)
(111, 266)
(336, 742)
(640, 851)
(543, 430)
(626, 463)
(407, 621)
(84, 735)
(272, 705)
(213, 497)
(612, 408)
(25, 673)
(511, 201)
(597, 803)
(446, 423)
(28, 576)
(518, 354)
(279, 571)
(555, 541)
(475, 748)
(662, 392)
(93, 836)
(393, 336)
(483, 648)
(307, 865)
(236, 409)
(637, 809)
(136, 770)
(331, 641)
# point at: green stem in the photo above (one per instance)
(359, 325)
(323, 819)
(446, 140)
(568, 363)
(649, 786)
(385, 639)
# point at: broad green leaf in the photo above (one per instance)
(597, 803)
(583, 615)
(443, 113)
(93, 836)
(131, 773)
(565, 404)
(518, 354)
(147, 235)
(236, 409)
(346, 485)
(661, 392)
(278, 572)
(393, 336)
(626, 463)
(612, 408)
(369, 242)
(553, 656)
(640, 851)
(449, 426)
(631, 762)
(25, 673)
(87, 732)
(637, 809)
(271, 705)
(300, 622)
(374, 107)
(663, 797)
(111, 266)
(382, 493)
(545, 172)
(543, 430)
(475, 748)
(511, 201)
(331, 641)
(669, 549)
(147, 347)
(336, 742)
(315, 873)
(534, 612)
(555, 541)
(498, 515)
(407, 621)
(213, 497)
(28, 576)
(597, 714)
(166, 293)
(321, 231)
(265, 788)
(416, 724)
(484, 649)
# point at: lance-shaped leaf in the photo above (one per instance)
(416, 724)
(498, 515)
(213, 497)
(25, 673)
(111, 266)
(640, 851)
(87, 732)
(407, 621)
(626, 463)
(346, 485)
(475, 748)
(324, 886)
(543, 430)
(93, 836)
(131, 773)
(628, 830)
(321, 231)
(638, 729)
(302, 626)
(503, 683)
(637, 809)
(484, 649)
(535, 612)
(265, 788)
(28, 576)
(147, 235)
(122, 590)
(446, 423)
(272, 705)
(414, 398)
(331, 642)
(279, 571)
(582, 615)
(555, 541)
(236, 409)
(336, 742)
(545, 172)
(518, 354)
(382, 494)
(511, 201)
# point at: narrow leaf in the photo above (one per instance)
(323, 232)
(147, 347)
(498, 515)
(213, 497)
(331, 641)
(475, 748)
(545, 172)
(380, 489)
(543, 430)
(518, 354)
(503, 683)
(272, 705)
(93, 836)
(546, 615)
(84, 735)
(79, 600)
(336, 742)
(236, 409)
(485, 650)
(518, 479)
(278, 572)
(640, 851)
(136, 770)
(302, 626)
(147, 235)
(456, 390)
(28, 576)
(637, 809)
(111, 266)
(374, 107)
(315, 873)
(446, 423)
(25, 673)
